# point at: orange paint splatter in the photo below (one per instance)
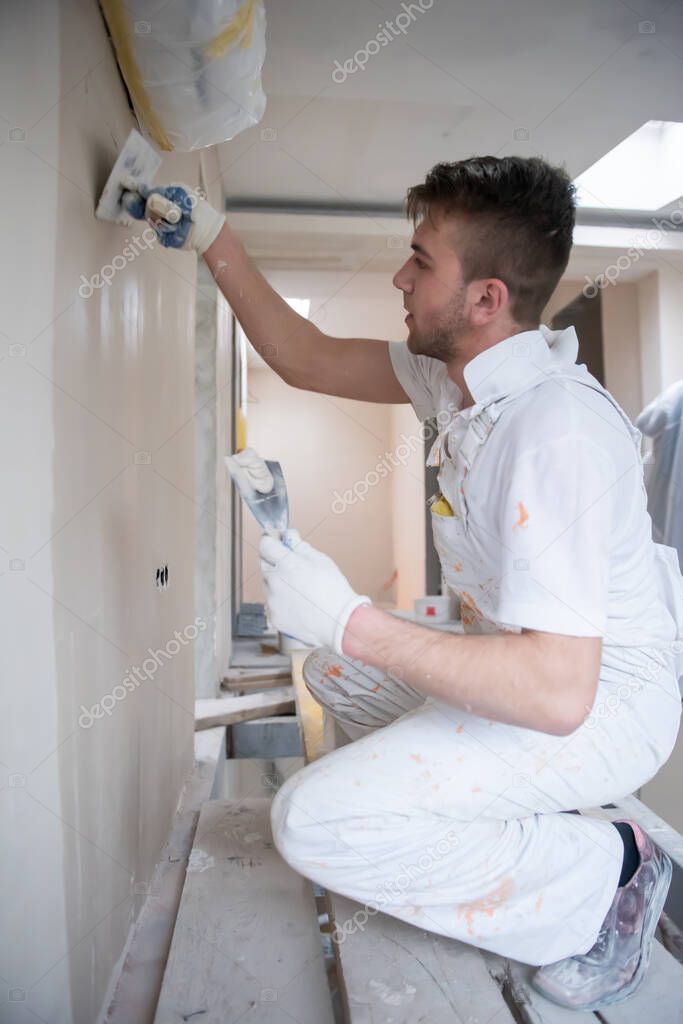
(460, 728)
(390, 582)
(375, 688)
(487, 904)
(458, 566)
(418, 758)
(523, 514)
(476, 789)
(471, 604)
(334, 670)
(539, 901)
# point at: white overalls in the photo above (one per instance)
(453, 822)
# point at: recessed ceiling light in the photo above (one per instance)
(642, 173)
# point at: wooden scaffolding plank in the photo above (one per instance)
(246, 941)
(229, 710)
(246, 680)
(390, 971)
(139, 982)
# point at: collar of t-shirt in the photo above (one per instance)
(503, 369)
(500, 370)
(513, 362)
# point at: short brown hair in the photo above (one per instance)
(518, 215)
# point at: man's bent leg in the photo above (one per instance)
(359, 697)
(454, 823)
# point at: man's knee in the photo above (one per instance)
(298, 832)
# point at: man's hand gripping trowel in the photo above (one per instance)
(262, 486)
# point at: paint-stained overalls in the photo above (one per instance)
(453, 822)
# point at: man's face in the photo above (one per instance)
(433, 291)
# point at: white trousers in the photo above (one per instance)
(455, 823)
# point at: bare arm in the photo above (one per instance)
(543, 681)
(295, 348)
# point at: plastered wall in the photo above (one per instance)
(96, 427)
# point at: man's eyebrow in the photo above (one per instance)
(418, 248)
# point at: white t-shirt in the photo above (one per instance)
(550, 529)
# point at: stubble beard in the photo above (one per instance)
(443, 338)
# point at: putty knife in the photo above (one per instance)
(136, 166)
(271, 510)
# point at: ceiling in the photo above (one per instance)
(563, 80)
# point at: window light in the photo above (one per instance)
(642, 173)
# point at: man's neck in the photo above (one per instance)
(470, 347)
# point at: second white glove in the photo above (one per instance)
(308, 596)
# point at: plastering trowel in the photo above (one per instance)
(135, 168)
(262, 486)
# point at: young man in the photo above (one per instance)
(450, 808)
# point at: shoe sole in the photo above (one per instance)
(652, 916)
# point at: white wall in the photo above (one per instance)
(85, 384)
(621, 346)
(661, 303)
(409, 505)
(325, 445)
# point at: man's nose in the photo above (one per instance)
(401, 279)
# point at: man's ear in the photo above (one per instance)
(489, 297)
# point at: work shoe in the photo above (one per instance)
(615, 965)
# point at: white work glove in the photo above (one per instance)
(308, 597)
(248, 467)
(193, 223)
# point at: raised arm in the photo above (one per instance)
(294, 347)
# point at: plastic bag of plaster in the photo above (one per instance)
(193, 69)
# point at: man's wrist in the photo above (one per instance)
(206, 226)
(361, 627)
